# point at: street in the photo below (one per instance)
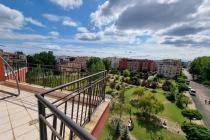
(203, 93)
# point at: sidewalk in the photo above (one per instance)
(192, 106)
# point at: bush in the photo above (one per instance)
(195, 132)
(171, 97)
(118, 86)
(134, 102)
(110, 92)
(125, 134)
(135, 81)
(112, 85)
(182, 87)
(207, 83)
(167, 85)
(126, 73)
(192, 114)
(182, 101)
(154, 85)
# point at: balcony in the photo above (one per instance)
(67, 109)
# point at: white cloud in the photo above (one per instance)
(109, 11)
(68, 4)
(88, 36)
(52, 47)
(162, 22)
(10, 18)
(82, 29)
(34, 22)
(52, 17)
(54, 33)
(69, 22)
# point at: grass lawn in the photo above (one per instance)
(146, 131)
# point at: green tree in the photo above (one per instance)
(149, 104)
(192, 114)
(125, 134)
(195, 132)
(139, 92)
(200, 68)
(107, 64)
(126, 73)
(95, 64)
(43, 58)
(166, 85)
(182, 101)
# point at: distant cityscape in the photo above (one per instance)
(166, 67)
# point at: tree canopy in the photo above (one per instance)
(200, 68)
(95, 64)
(195, 132)
(149, 104)
(43, 58)
(126, 73)
(192, 114)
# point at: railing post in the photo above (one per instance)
(42, 125)
(90, 98)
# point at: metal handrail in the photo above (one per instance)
(78, 130)
(70, 83)
(17, 83)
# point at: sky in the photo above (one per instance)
(152, 29)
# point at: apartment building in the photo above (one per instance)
(137, 65)
(14, 57)
(71, 64)
(114, 61)
(169, 67)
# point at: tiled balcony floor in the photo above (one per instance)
(18, 115)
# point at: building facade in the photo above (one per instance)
(71, 64)
(114, 61)
(135, 65)
(169, 67)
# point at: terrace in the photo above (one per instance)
(45, 103)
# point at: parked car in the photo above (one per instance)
(192, 92)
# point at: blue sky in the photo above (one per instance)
(153, 29)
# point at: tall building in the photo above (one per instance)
(70, 64)
(137, 65)
(169, 67)
(114, 61)
(123, 64)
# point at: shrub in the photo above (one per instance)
(182, 101)
(134, 102)
(118, 86)
(125, 134)
(171, 97)
(126, 73)
(195, 132)
(166, 85)
(112, 85)
(110, 92)
(154, 85)
(192, 114)
(207, 83)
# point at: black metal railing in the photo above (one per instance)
(44, 75)
(63, 118)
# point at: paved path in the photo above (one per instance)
(202, 94)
